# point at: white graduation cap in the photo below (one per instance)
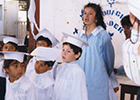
(19, 56)
(10, 39)
(134, 7)
(75, 41)
(46, 53)
(45, 33)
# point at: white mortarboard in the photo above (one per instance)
(134, 7)
(10, 39)
(46, 53)
(45, 33)
(19, 56)
(75, 41)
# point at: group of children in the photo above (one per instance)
(43, 78)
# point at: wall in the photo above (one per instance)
(65, 16)
(1, 16)
(11, 17)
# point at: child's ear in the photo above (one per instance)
(78, 55)
(50, 68)
(7, 70)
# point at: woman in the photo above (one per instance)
(97, 60)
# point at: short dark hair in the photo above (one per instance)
(126, 21)
(76, 49)
(15, 45)
(49, 63)
(47, 40)
(7, 62)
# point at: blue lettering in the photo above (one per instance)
(104, 13)
(112, 12)
(116, 26)
(121, 16)
(108, 12)
(118, 13)
(110, 23)
(120, 29)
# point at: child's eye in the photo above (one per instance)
(22, 65)
(6, 47)
(42, 65)
(90, 13)
(84, 13)
(11, 47)
(69, 51)
(15, 65)
(36, 62)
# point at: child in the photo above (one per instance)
(41, 76)
(43, 38)
(9, 44)
(70, 81)
(6, 92)
(14, 65)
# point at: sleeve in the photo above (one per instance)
(31, 93)
(108, 53)
(79, 90)
(113, 80)
(9, 92)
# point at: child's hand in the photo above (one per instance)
(116, 89)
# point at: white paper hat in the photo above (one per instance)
(46, 54)
(134, 7)
(19, 56)
(10, 39)
(75, 41)
(45, 33)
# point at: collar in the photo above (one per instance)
(94, 32)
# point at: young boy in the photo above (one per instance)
(6, 92)
(14, 66)
(42, 74)
(45, 39)
(9, 44)
(70, 81)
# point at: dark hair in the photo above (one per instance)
(49, 63)
(7, 62)
(15, 45)
(126, 21)
(76, 49)
(47, 40)
(99, 14)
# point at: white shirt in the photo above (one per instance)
(70, 83)
(44, 84)
(23, 89)
(9, 95)
(131, 60)
(30, 66)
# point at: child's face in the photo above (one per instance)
(8, 47)
(40, 67)
(41, 43)
(16, 70)
(68, 55)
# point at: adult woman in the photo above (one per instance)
(97, 60)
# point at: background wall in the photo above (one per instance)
(66, 16)
(1, 16)
(11, 17)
